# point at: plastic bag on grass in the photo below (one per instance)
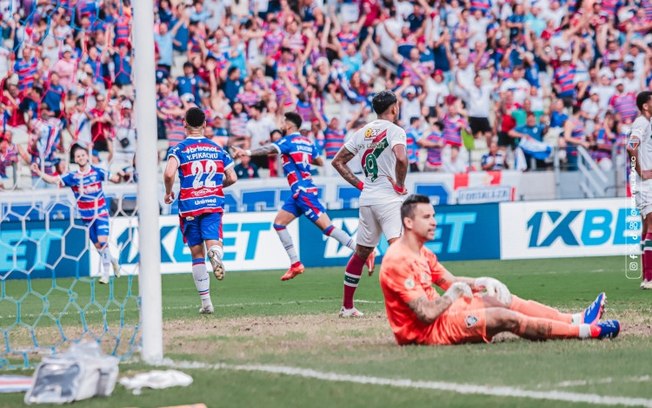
(79, 373)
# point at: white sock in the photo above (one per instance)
(286, 240)
(218, 250)
(585, 331)
(202, 281)
(578, 318)
(341, 237)
(105, 256)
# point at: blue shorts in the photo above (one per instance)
(305, 203)
(97, 227)
(203, 227)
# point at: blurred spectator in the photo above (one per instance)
(434, 143)
(8, 155)
(414, 136)
(479, 67)
(124, 144)
(455, 161)
(245, 169)
(494, 159)
(530, 130)
(574, 135)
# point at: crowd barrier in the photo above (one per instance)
(512, 230)
(269, 195)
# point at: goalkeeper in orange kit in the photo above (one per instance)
(471, 310)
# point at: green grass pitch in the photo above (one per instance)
(261, 320)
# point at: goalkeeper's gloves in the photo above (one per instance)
(458, 290)
(495, 288)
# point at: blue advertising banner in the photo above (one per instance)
(464, 232)
(59, 249)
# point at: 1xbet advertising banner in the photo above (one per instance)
(43, 250)
(250, 243)
(464, 232)
(568, 228)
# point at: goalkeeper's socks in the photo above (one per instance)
(647, 257)
(341, 236)
(286, 240)
(535, 328)
(351, 279)
(536, 309)
(202, 282)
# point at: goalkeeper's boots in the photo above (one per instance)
(296, 269)
(352, 312)
(116, 267)
(594, 312)
(216, 263)
(208, 309)
(608, 329)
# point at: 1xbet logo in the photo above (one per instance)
(581, 227)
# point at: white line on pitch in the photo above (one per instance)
(608, 380)
(460, 388)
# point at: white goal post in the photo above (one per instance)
(149, 280)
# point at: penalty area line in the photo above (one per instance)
(459, 388)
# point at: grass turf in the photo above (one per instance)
(260, 320)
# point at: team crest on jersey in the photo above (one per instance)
(470, 321)
(634, 142)
(370, 133)
(409, 284)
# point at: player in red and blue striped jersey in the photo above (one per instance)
(297, 154)
(86, 185)
(204, 170)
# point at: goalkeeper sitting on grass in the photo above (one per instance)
(471, 310)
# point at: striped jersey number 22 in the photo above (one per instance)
(198, 169)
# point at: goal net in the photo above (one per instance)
(66, 79)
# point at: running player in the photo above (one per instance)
(204, 170)
(640, 152)
(86, 185)
(297, 154)
(418, 315)
(385, 164)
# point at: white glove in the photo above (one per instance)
(495, 288)
(458, 290)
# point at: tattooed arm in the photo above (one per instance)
(428, 311)
(339, 162)
(401, 166)
(261, 151)
(229, 177)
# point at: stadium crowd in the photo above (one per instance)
(505, 78)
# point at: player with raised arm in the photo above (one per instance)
(297, 154)
(204, 170)
(86, 185)
(464, 314)
(639, 148)
(385, 163)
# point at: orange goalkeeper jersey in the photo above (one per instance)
(405, 276)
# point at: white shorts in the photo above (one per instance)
(643, 202)
(379, 219)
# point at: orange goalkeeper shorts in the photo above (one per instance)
(463, 322)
